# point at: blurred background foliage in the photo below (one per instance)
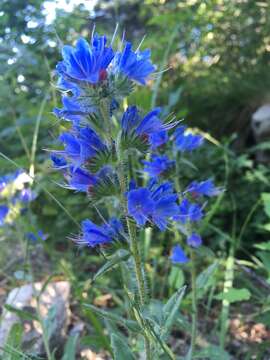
(213, 57)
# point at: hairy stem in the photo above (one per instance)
(137, 260)
(133, 247)
(194, 305)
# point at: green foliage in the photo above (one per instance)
(121, 350)
(234, 295)
(70, 348)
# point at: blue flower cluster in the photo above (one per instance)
(14, 192)
(186, 141)
(155, 203)
(95, 79)
(15, 196)
(191, 213)
(94, 235)
(91, 72)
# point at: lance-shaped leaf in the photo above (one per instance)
(206, 279)
(70, 348)
(128, 324)
(170, 310)
(121, 350)
(119, 256)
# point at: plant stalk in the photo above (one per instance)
(194, 305)
(133, 247)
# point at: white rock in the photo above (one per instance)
(261, 121)
(55, 296)
(260, 124)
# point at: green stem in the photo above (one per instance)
(194, 305)
(133, 247)
(137, 260)
(228, 283)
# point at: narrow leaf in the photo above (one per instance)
(170, 310)
(121, 350)
(129, 324)
(117, 257)
(70, 348)
(206, 279)
(24, 315)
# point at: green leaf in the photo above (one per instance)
(234, 295)
(265, 257)
(70, 348)
(212, 352)
(170, 310)
(15, 335)
(119, 256)
(129, 324)
(121, 350)
(206, 279)
(50, 322)
(176, 278)
(266, 202)
(24, 315)
(266, 227)
(263, 246)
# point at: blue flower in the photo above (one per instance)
(151, 123)
(94, 235)
(3, 213)
(81, 180)
(135, 65)
(27, 195)
(84, 62)
(194, 240)
(35, 237)
(189, 212)
(3, 183)
(187, 141)
(8, 178)
(165, 207)
(145, 127)
(73, 110)
(158, 165)
(178, 255)
(41, 235)
(156, 203)
(58, 161)
(65, 85)
(31, 236)
(158, 138)
(140, 205)
(114, 227)
(206, 188)
(130, 119)
(81, 145)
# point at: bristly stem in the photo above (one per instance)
(139, 275)
(133, 244)
(137, 260)
(194, 305)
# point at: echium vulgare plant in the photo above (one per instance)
(111, 153)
